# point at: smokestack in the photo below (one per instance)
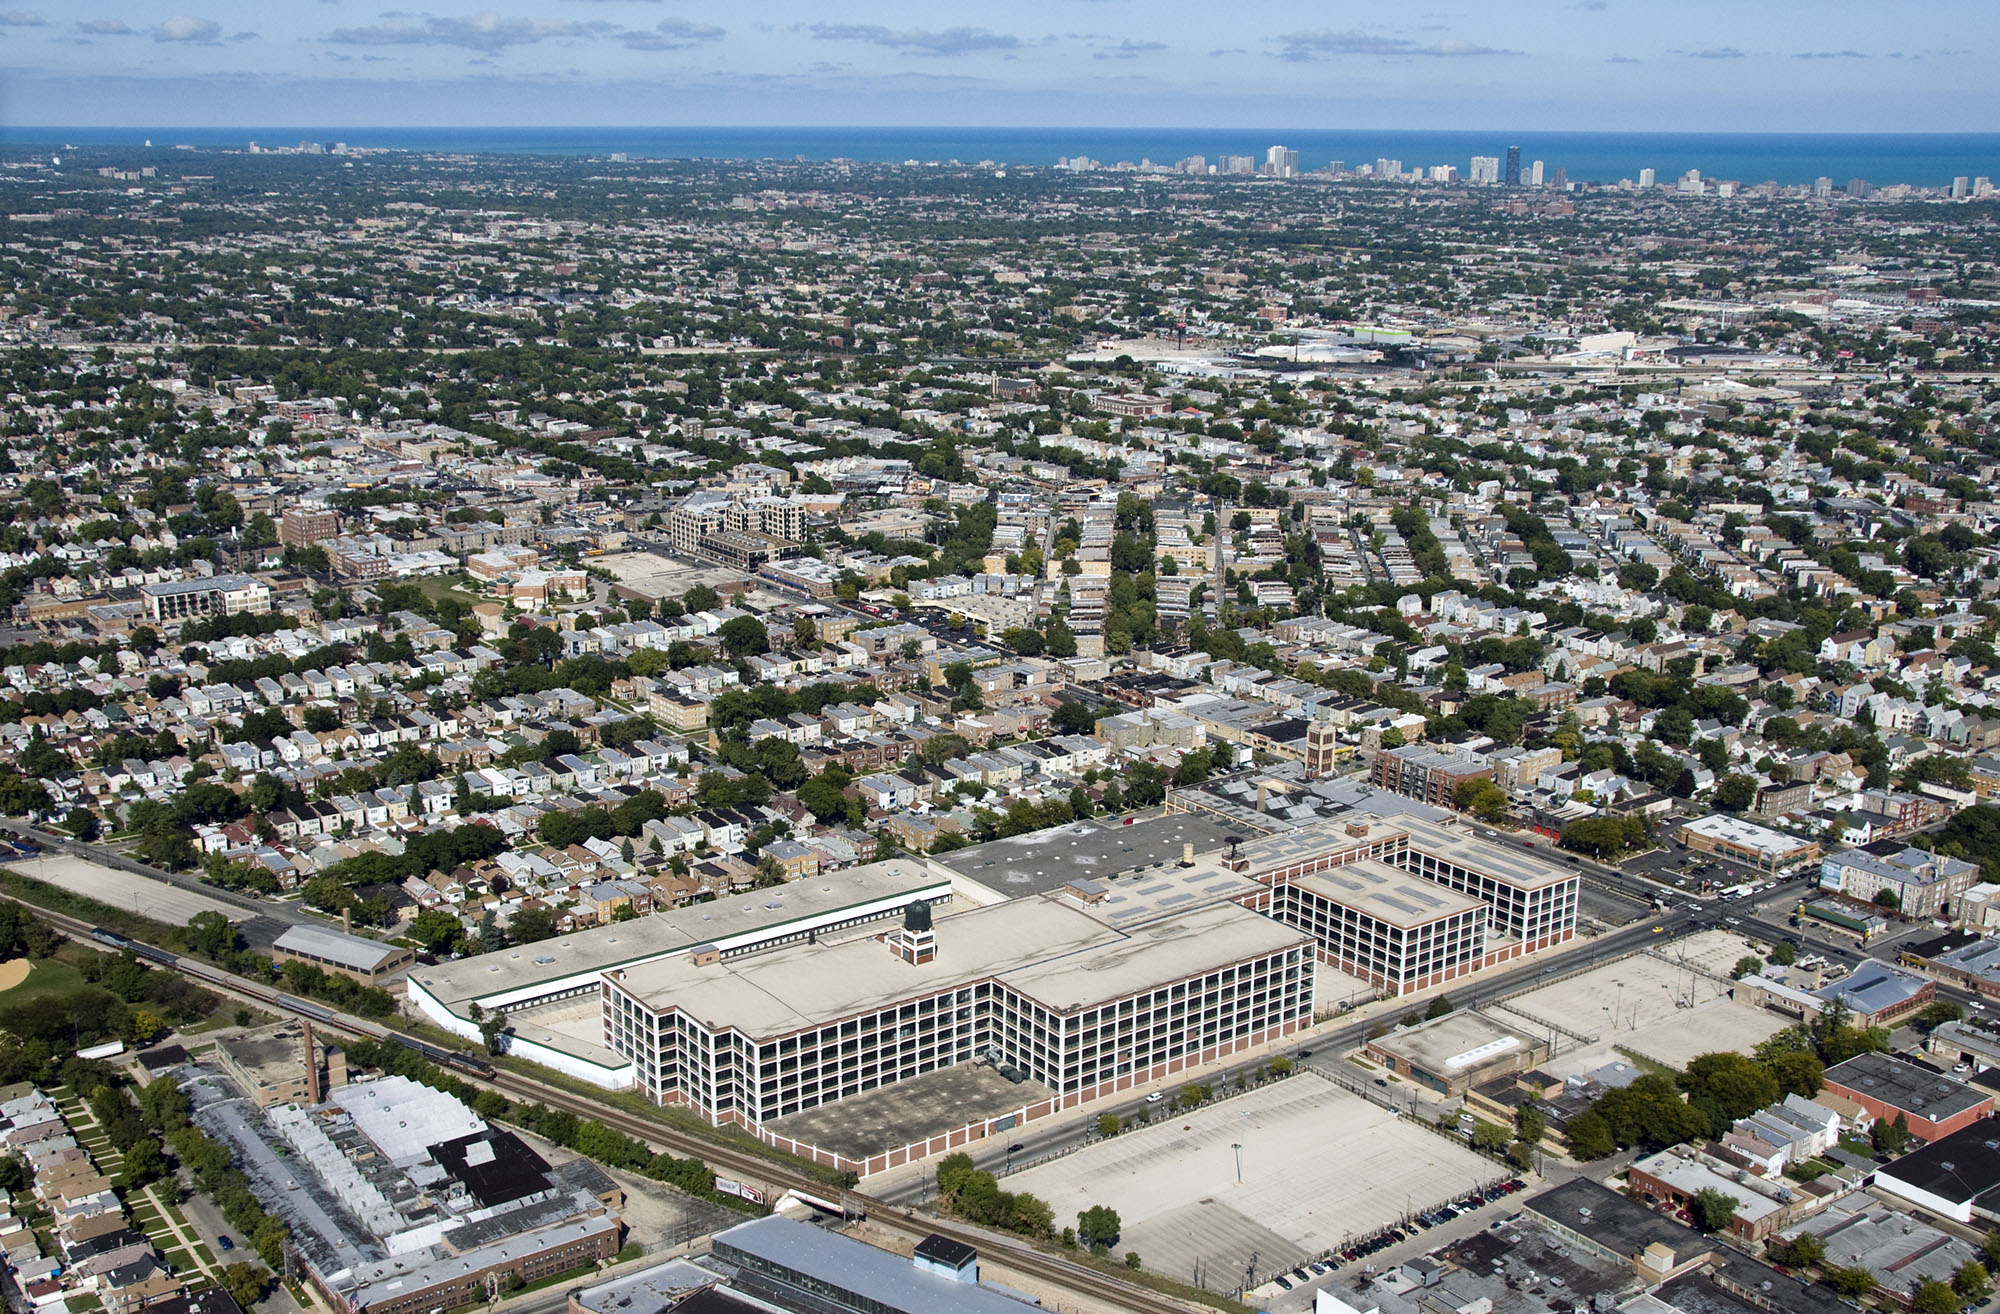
(313, 1095)
(347, 920)
(1263, 789)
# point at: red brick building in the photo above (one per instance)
(1935, 1105)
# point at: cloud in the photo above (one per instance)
(1711, 52)
(22, 18)
(1623, 59)
(1228, 50)
(917, 41)
(183, 28)
(486, 31)
(1322, 43)
(672, 34)
(246, 36)
(1128, 49)
(1592, 6)
(1829, 54)
(104, 27)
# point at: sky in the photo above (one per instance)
(1549, 65)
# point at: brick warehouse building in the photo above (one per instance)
(1935, 1105)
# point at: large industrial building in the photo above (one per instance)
(570, 967)
(1407, 904)
(1114, 965)
(1085, 991)
(401, 1200)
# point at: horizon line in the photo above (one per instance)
(17, 127)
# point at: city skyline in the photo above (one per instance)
(1562, 65)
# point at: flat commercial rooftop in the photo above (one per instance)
(1048, 859)
(909, 1111)
(658, 575)
(1374, 888)
(1503, 861)
(883, 1280)
(1272, 852)
(1149, 892)
(626, 944)
(1906, 1086)
(328, 945)
(1456, 1042)
(1048, 948)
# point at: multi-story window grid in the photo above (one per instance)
(190, 598)
(1399, 958)
(1527, 904)
(1076, 1052)
(1528, 913)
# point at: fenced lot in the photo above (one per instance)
(1320, 1166)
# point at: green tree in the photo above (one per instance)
(1735, 793)
(1802, 1251)
(1590, 1136)
(1073, 718)
(1972, 1282)
(1713, 1210)
(1854, 1282)
(1726, 1086)
(246, 1283)
(1098, 1226)
(1934, 1297)
(743, 636)
(1936, 1013)
(529, 925)
(1798, 1073)
(1108, 1124)
(1890, 1137)
(1482, 798)
(143, 1164)
(437, 931)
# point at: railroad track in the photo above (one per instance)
(1000, 1247)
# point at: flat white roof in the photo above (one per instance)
(404, 1118)
(1745, 834)
(1046, 947)
(1387, 894)
(725, 923)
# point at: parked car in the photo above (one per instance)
(225, 1243)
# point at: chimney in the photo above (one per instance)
(1187, 854)
(313, 1095)
(347, 920)
(1263, 789)
(336, 1066)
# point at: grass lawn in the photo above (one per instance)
(46, 976)
(436, 587)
